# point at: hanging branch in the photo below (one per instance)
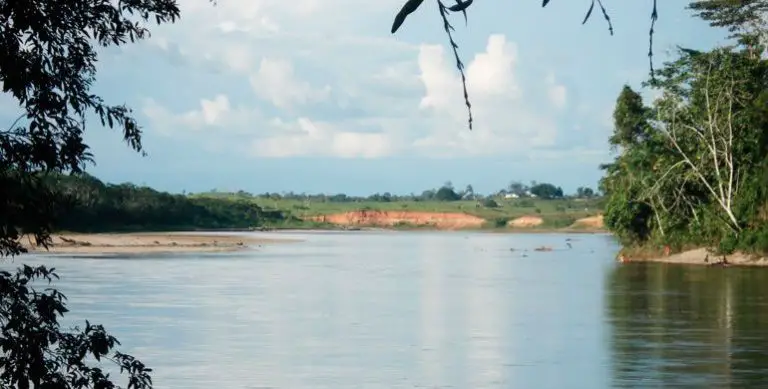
(459, 65)
(461, 6)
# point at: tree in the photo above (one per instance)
(37, 353)
(446, 194)
(696, 173)
(626, 213)
(517, 188)
(546, 191)
(48, 66)
(630, 118)
(747, 21)
(703, 128)
(583, 192)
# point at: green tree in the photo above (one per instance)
(630, 118)
(746, 21)
(48, 66)
(696, 176)
(517, 188)
(446, 193)
(547, 191)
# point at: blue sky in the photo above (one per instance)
(318, 96)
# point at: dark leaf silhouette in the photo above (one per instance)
(48, 66)
(589, 12)
(459, 65)
(604, 11)
(408, 8)
(463, 5)
(654, 17)
(38, 353)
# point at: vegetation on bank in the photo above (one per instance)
(89, 205)
(542, 200)
(86, 204)
(692, 167)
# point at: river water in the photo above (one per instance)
(426, 310)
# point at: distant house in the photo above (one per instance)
(511, 196)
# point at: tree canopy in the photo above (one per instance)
(692, 165)
(49, 66)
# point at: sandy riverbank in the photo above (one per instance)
(700, 257)
(138, 243)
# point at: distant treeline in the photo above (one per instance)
(447, 192)
(89, 205)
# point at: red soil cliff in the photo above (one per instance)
(441, 220)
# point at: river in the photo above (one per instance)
(425, 310)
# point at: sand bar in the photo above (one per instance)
(703, 257)
(138, 243)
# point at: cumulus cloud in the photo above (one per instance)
(556, 92)
(432, 125)
(305, 137)
(345, 93)
(504, 121)
(275, 81)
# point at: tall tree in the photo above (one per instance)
(746, 20)
(48, 66)
(630, 119)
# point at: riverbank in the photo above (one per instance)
(450, 221)
(140, 243)
(699, 256)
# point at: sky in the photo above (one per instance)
(318, 96)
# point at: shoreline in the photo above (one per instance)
(695, 257)
(148, 242)
(499, 230)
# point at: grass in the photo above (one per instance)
(507, 208)
(560, 213)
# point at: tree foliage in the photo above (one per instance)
(746, 20)
(692, 166)
(92, 206)
(48, 65)
(547, 191)
(38, 353)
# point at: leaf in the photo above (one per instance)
(408, 8)
(544, 3)
(460, 6)
(589, 12)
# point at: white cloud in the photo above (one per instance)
(275, 81)
(504, 122)
(321, 139)
(346, 94)
(556, 92)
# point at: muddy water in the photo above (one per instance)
(427, 310)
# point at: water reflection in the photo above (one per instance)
(352, 310)
(688, 326)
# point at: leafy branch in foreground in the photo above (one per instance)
(411, 6)
(37, 353)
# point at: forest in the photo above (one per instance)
(89, 205)
(691, 165)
